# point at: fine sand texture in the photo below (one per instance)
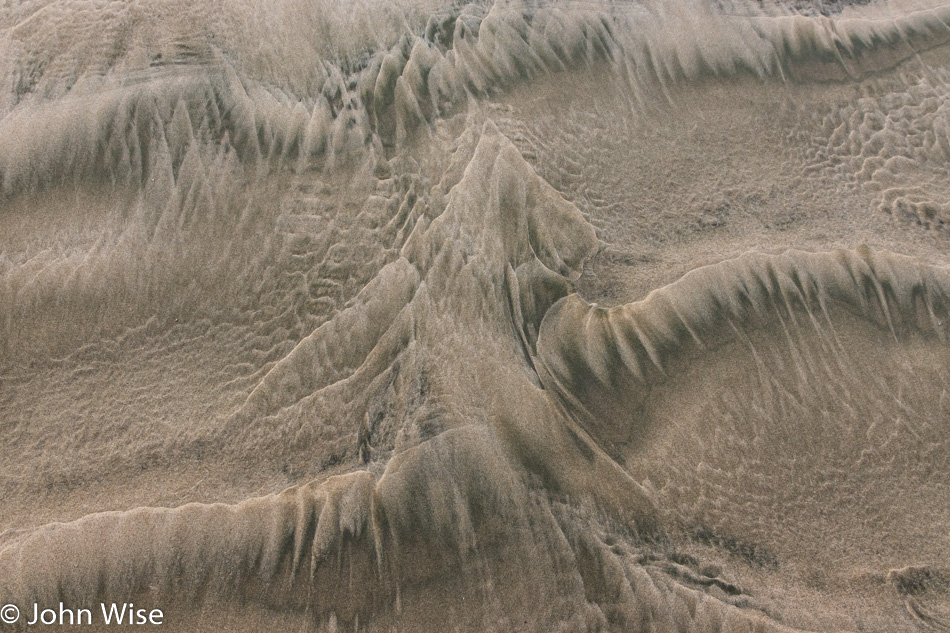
(475, 316)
